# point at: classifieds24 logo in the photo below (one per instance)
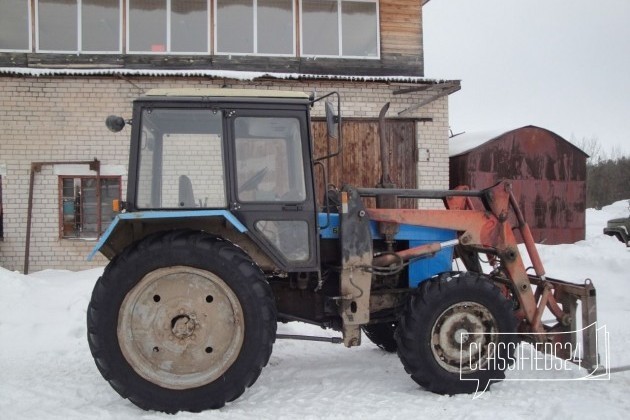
(540, 360)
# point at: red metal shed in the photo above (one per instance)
(548, 173)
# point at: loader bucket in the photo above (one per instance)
(562, 301)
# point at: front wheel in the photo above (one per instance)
(181, 321)
(456, 331)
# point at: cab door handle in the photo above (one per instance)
(292, 207)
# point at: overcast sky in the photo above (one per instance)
(560, 64)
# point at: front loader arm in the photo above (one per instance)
(480, 231)
(490, 231)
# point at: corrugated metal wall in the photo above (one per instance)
(549, 175)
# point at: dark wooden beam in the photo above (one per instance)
(413, 89)
(388, 65)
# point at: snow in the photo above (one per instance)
(47, 372)
(462, 143)
(217, 74)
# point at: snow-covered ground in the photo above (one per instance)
(47, 372)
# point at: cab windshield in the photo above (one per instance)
(181, 159)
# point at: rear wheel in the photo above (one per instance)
(181, 321)
(382, 335)
(455, 331)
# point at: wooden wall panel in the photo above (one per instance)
(401, 27)
(360, 162)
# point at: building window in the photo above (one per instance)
(100, 25)
(340, 28)
(328, 28)
(168, 26)
(86, 211)
(15, 25)
(264, 27)
(87, 26)
(320, 28)
(359, 29)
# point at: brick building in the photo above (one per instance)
(65, 65)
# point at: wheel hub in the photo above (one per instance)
(460, 336)
(184, 326)
(180, 327)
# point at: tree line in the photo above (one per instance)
(607, 175)
(607, 181)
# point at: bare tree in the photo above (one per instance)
(592, 147)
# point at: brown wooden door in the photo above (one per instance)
(360, 161)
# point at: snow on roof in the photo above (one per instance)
(462, 143)
(222, 74)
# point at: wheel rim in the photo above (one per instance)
(180, 327)
(461, 336)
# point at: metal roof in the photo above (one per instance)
(466, 142)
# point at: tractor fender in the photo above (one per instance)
(127, 228)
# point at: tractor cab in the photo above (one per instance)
(242, 153)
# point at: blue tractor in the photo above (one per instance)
(221, 237)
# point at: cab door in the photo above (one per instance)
(272, 184)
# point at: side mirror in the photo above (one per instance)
(332, 121)
(115, 123)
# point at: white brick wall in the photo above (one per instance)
(62, 119)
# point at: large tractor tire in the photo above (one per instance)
(181, 321)
(457, 330)
(382, 335)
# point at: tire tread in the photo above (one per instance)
(124, 267)
(424, 303)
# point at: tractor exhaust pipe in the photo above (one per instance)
(386, 181)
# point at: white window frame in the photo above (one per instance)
(255, 26)
(79, 49)
(168, 34)
(30, 34)
(340, 31)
